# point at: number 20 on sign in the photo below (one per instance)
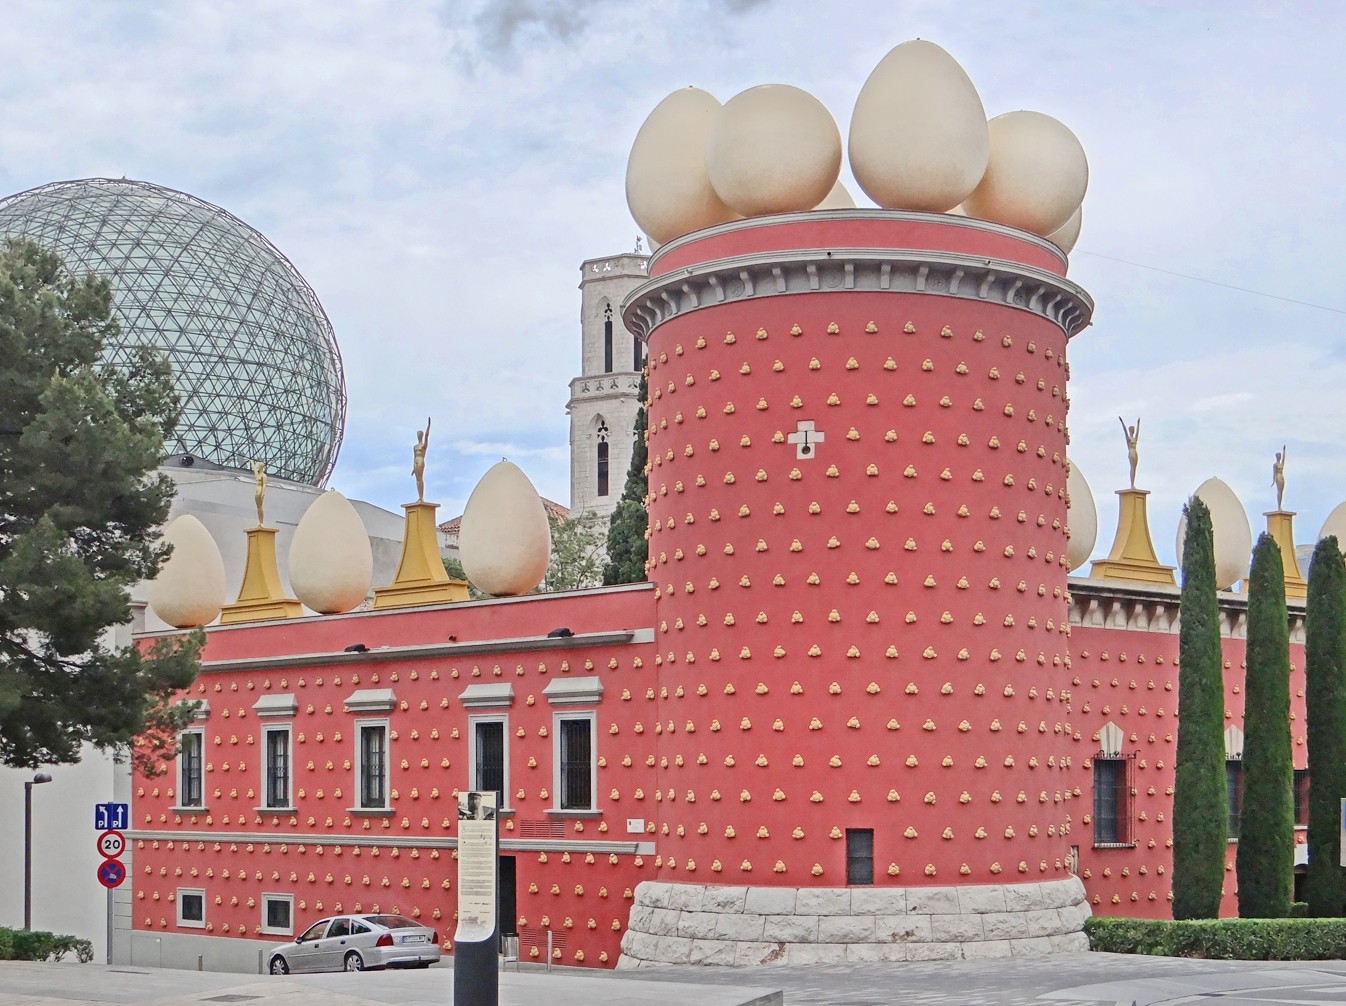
(111, 844)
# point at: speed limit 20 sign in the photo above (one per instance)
(111, 844)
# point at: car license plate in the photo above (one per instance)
(413, 939)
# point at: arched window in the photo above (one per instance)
(607, 343)
(637, 354)
(603, 456)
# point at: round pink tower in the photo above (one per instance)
(857, 439)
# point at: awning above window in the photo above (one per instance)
(371, 700)
(492, 696)
(276, 705)
(573, 691)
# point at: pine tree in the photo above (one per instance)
(628, 544)
(80, 510)
(1325, 700)
(1200, 809)
(1265, 861)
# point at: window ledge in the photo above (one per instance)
(554, 812)
(1115, 845)
(371, 811)
(190, 810)
(276, 810)
(188, 924)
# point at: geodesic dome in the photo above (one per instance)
(254, 357)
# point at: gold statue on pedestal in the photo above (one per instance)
(1132, 557)
(1278, 476)
(259, 492)
(418, 459)
(1132, 435)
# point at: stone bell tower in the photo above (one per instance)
(858, 539)
(604, 399)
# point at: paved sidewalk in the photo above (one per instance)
(1062, 980)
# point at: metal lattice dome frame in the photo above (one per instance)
(253, 353)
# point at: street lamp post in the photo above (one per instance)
(38, 779)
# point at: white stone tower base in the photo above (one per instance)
(753, 926)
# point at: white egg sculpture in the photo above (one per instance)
(504, 540)
(919, 138)
(773, 149)
(1335, 524)
(667, 188)
(838, 199)
(189, 590)
(1233, 533)
(1065, 236)
(1036, 176)
(1082, 519)
(331, 562)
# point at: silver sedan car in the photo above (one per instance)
(358, 942)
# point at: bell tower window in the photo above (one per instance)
(603, 456)
(607, 343)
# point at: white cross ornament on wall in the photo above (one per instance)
(805, 438)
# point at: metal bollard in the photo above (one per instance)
(549, 935)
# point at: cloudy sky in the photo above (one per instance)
(439, 170)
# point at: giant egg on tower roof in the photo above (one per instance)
(667, 188)
(1232, 532)
(772, 149)
(918, 138)
(254, 358)
(1036, 175)
(504, 540)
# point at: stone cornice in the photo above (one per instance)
(884, 270)
(449, 651)
(1111, 604)
(303, 841)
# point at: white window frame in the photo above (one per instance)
(267, 730)
(276, 930)
(360, 727)
(181, 802)
(503, 720)
(591, 717)
(186, 923)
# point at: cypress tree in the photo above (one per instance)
(1325, 691)
(1200, 808)
(1265, 861)
(628, 542)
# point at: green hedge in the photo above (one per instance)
(26, 945)
(1294, 939)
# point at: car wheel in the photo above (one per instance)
(279, 966)
(354, 962)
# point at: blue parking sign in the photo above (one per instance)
(111, 816)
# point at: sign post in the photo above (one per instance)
(107, 818)
(476, 962)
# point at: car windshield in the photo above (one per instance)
(393, 921)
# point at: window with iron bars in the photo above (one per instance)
(278, 767)
(575, 765)
(488, 753)
(191, 744)
(1302, 797)
(373, 767)
(1114, 786)
(1233, 784)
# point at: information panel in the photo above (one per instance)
(477, 858)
